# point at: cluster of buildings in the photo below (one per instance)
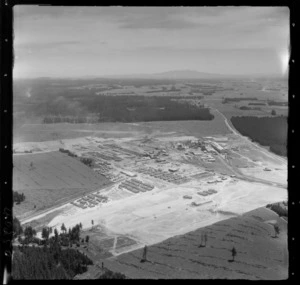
(106, 156)
(90, 200)
(207, 192)
(157, 154)
(217, 147)
(136, 186)
(217, 180)
(116, 178)
(128, 173)
(187, 197)
(103, 167)
(124, 150)
(200, 156)
(202, 175)
(201, 150)
(206, 145)
(163, 175)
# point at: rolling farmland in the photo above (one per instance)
(259, 254)
(50, 178)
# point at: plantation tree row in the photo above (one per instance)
(51, 119)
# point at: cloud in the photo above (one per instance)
(124, 17)
(174, 18)
(105, 39)
(36, 11)
(45, 45)
(196, 49)
(279, 13)
(168, 18)
(163, 18)
(164, 23)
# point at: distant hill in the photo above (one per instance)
(191, 74)
(186, 74)
(173, 74)
(170, 75)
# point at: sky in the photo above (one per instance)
(97, 41)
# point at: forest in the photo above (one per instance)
(267, 131)
(257, 104)
(238, 99)
(51, 262)
(48, 258)
(276, 103)
(249, 108)
(279, 208)
(51, 257)
(121, 109)
(65, 101)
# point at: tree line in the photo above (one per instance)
(249, 108)
(52, 119)
(67, 237)
(68, 152)
(279, 209)
(238, 99)
(48, 262)
(85, 160)
(51, 257)
(18, 197)
(121, 109)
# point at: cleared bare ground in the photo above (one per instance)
(259, 254)
(159, 214)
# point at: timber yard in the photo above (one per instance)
(155, 181)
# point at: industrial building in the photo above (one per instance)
(128, 173)
(217, 147)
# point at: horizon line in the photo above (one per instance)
(123, 76)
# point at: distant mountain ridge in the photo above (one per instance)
(173, 74)
(187, 74)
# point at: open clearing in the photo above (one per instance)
(154, 216)
(259, 255)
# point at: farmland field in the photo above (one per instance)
(47, 179)
(259, 254)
